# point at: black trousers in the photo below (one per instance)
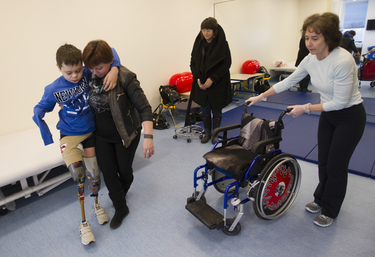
(304, 83)
(116, 163)
(338, 135)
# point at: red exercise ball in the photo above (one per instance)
(250, 67)
(183, 81)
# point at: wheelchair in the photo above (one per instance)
(271, 178)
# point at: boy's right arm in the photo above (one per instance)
(45, 105)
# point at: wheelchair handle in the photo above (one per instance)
(281, 115)
(245, 106)
(280, 120)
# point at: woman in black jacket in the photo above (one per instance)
(210, 63)
(119, 116)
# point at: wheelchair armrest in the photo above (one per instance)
(224, 129)
(260, 147)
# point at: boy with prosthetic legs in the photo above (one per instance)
(76, 125)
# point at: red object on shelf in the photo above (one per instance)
(250, 67)
(183, 81)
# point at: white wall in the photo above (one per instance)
(153, 38)
(266, 30)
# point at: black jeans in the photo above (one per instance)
(116, 163)
(207, 108)
(338, 135)
(304, 83)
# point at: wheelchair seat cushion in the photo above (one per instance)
(234, 160)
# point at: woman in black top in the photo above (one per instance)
(120, 115)
(210, 63)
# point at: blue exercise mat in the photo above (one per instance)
(300, 137)
(363, 158)
(294, 97)
(369, 104)
(234, 117)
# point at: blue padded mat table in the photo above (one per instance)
(294, 97)
(369, 104)
(300, 137)
(234, 116)
(363, 159)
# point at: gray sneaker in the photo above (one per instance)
(323, 221)
(313, 207)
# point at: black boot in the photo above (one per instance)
(207, 129)
(121, 209)
(216, 123)
(119, 217)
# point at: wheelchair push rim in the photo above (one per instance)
(278, 188)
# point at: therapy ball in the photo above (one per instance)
(250, 66)
(183, 81)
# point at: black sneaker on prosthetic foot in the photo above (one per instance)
(119, 217)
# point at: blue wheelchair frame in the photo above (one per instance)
(232, 226)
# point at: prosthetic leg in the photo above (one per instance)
(93, 176)
(77, 172)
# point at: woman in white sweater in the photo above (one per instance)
(342, 121)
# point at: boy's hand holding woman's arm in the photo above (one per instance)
(110, 80)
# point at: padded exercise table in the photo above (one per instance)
(24, 156)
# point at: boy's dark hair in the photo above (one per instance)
(97, 52)
(69, 55)
(210, 23)
(326, 24)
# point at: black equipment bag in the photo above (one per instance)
(169, 95)
(261, 87)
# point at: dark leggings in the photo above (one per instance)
(207, 108)
(116, 163)
(338, 135)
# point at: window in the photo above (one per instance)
(353, 17)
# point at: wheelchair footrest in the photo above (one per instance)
(206, 214)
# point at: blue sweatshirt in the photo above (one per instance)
(77, 117)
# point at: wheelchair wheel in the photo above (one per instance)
(235, 231)
(222, 185)
(278, 187)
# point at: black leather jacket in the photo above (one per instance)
(129, 106)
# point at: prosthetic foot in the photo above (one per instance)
(93, 176)
(100, 214)
(85, 232)
(77, 172)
